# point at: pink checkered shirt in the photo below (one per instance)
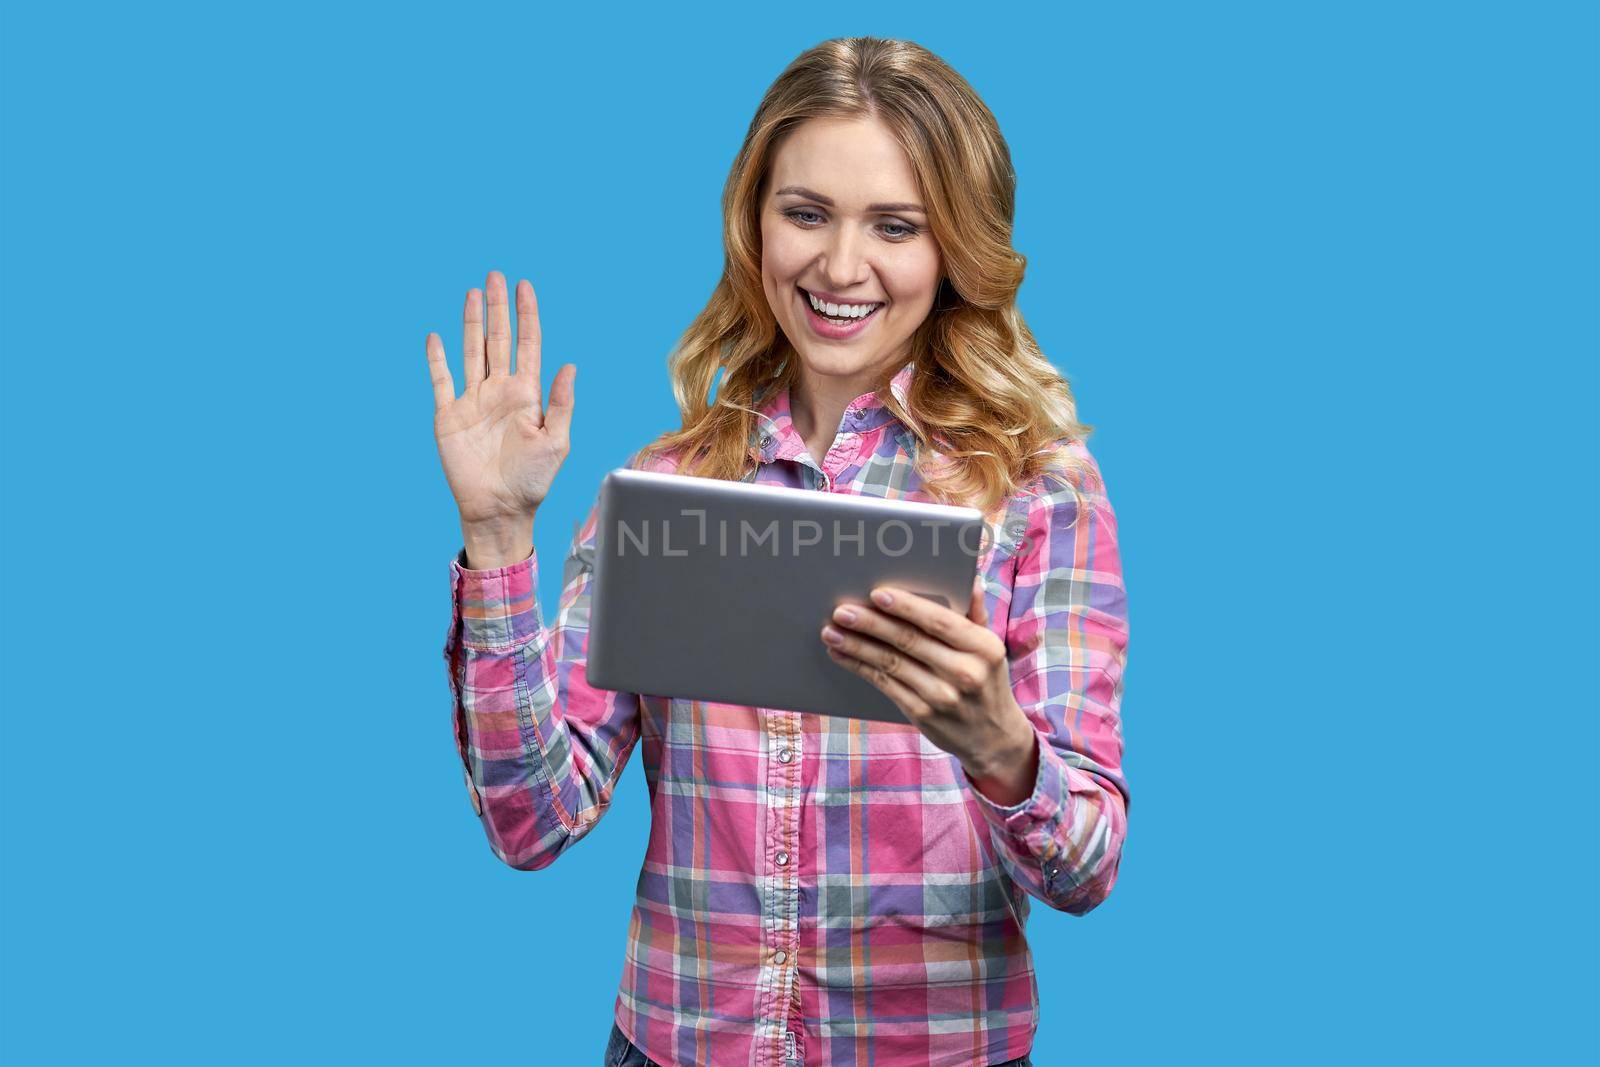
(815, 885)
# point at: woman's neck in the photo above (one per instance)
(817, 403)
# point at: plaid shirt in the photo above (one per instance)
(815, 886)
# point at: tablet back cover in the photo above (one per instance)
(715, 590)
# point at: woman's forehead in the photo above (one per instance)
(847, 163)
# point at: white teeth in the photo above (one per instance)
(840, 311)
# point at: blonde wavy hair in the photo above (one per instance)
(988, 412)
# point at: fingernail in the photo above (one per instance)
(883, 597)
(845, 615)
(832, 636)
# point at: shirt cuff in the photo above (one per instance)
(1042, 805)
(498, 606)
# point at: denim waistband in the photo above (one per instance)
(620, 1052)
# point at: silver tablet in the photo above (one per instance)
(714, 590)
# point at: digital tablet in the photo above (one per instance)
(714, 590)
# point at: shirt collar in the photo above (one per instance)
(777, 438)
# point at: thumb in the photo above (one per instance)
(979, 611)
(558, 413)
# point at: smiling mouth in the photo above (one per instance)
(805, 297)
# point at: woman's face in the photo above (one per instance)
(842, 219)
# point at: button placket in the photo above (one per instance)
(783, 786)
(845, 449)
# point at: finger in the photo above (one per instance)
(892, 663)
(911, 705)
(472, 339)
(949, 626)
(444, 388)
(558, 417)
(899, 634)
(979, 612)
(528, 335)
(499, 340)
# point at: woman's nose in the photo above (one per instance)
(845, 263)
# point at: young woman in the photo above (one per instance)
(822, 889)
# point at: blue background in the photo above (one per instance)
(1323, 277)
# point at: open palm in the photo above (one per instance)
(500, 449)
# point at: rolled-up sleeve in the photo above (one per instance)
(1066, 632)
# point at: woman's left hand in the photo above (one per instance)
(946, 671)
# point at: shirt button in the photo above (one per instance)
(766, 439)
(784, 756)
(779, 956)
(783, 858)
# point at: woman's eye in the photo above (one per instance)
(906, 231)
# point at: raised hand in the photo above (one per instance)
(500, 449)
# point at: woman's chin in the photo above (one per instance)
(834, 363)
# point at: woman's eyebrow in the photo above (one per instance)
(800, 190)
